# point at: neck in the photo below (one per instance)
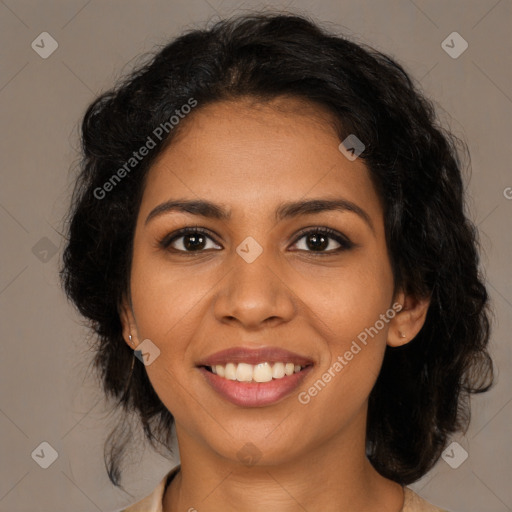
(335, 476)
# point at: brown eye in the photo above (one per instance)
(187, 240)
(319, 239)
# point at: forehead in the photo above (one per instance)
(250, 156)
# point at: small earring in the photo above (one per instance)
(401, 334)
(130, 338)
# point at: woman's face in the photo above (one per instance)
(255, 281)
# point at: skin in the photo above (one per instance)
(251, 157)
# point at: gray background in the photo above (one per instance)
(46, 391)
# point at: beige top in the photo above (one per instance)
(153, 502)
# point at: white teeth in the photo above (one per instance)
(278, 371)
(230, 371)
(262, 372)
(244, 372)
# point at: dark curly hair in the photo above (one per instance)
(422, 394)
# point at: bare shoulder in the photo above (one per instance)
(415, 503)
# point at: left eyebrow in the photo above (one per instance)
(311, 206)
(205, 208)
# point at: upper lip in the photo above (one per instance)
(255, 356)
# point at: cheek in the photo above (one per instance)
(166, 296)
(165, 305)
(348, 300)
(355, 342)
(352, 314)
(169, 304)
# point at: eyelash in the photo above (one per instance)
(345, 243)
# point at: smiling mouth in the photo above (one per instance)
(261, 372)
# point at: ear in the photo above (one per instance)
(408, 322)
(128, 322)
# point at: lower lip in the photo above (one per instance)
(254, 394)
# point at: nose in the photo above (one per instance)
(255, 294)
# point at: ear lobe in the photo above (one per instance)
(127, 321)
(408, 322)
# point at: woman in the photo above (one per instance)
(270, 219)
